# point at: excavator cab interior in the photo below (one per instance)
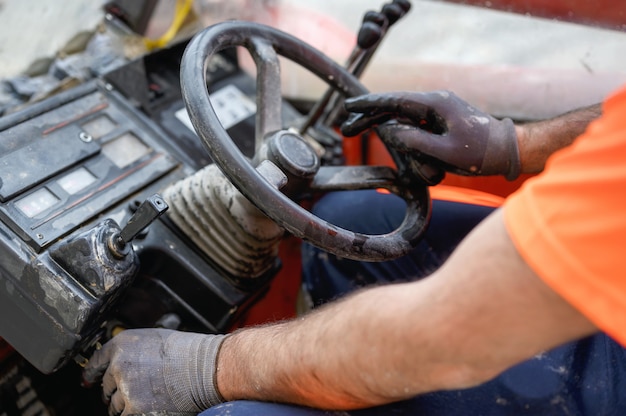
(171, 187)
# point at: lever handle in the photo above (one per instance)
(369, 34)
(149, 210)
(375, 17)
(393, 12)
(404, 4)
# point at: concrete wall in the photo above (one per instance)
(507, 64)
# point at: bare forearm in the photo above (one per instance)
(378, 346)
(349, 354)
(538, 140)
(482, 312)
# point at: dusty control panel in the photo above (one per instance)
(73, 170)
(65, 166)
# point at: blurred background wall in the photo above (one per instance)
(506, 63)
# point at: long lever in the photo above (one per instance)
(387, 17)
(373, 28)
(392, 12)
(368, 35)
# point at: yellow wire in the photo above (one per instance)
(183, 7)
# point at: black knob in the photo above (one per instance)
(404, 4)
(375, 17)
(393, 12)
(369, 34)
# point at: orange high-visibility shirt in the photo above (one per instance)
(569, 222)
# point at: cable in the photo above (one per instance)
(183, 7)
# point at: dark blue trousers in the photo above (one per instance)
(587, 377)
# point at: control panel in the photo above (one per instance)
(75, 171)
(67, 165)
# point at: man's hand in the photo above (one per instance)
(157, 370)
(440, 125)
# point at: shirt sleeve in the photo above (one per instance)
(569, 223)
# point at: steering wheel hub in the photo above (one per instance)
(291, 153)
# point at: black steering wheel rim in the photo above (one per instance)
(271, 201)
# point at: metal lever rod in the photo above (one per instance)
(389, 15)
(374, 27)
(368, 35)
(392, 12)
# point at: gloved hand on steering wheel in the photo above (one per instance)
(442, 126)
(150, 370)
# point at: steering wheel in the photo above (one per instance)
(284, 153)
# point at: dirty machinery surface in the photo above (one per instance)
(130, 201)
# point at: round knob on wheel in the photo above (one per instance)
(293, 155)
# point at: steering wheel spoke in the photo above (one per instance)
(268, 89)
(343, 178)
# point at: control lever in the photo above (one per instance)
(371, 32)
(149, 210)
(373, 28)
(388, 16)
(392, 12)
(368, 35)
(101, 258)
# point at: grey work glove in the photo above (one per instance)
(157, 370)
(440, 125)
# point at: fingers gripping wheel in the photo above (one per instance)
(271, 196)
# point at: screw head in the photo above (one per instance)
(85, 137)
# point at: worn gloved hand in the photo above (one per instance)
(150, 370)
(441, 125)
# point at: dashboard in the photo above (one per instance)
(74, 169)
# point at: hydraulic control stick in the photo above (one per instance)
(371, 33)
(388, 16)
